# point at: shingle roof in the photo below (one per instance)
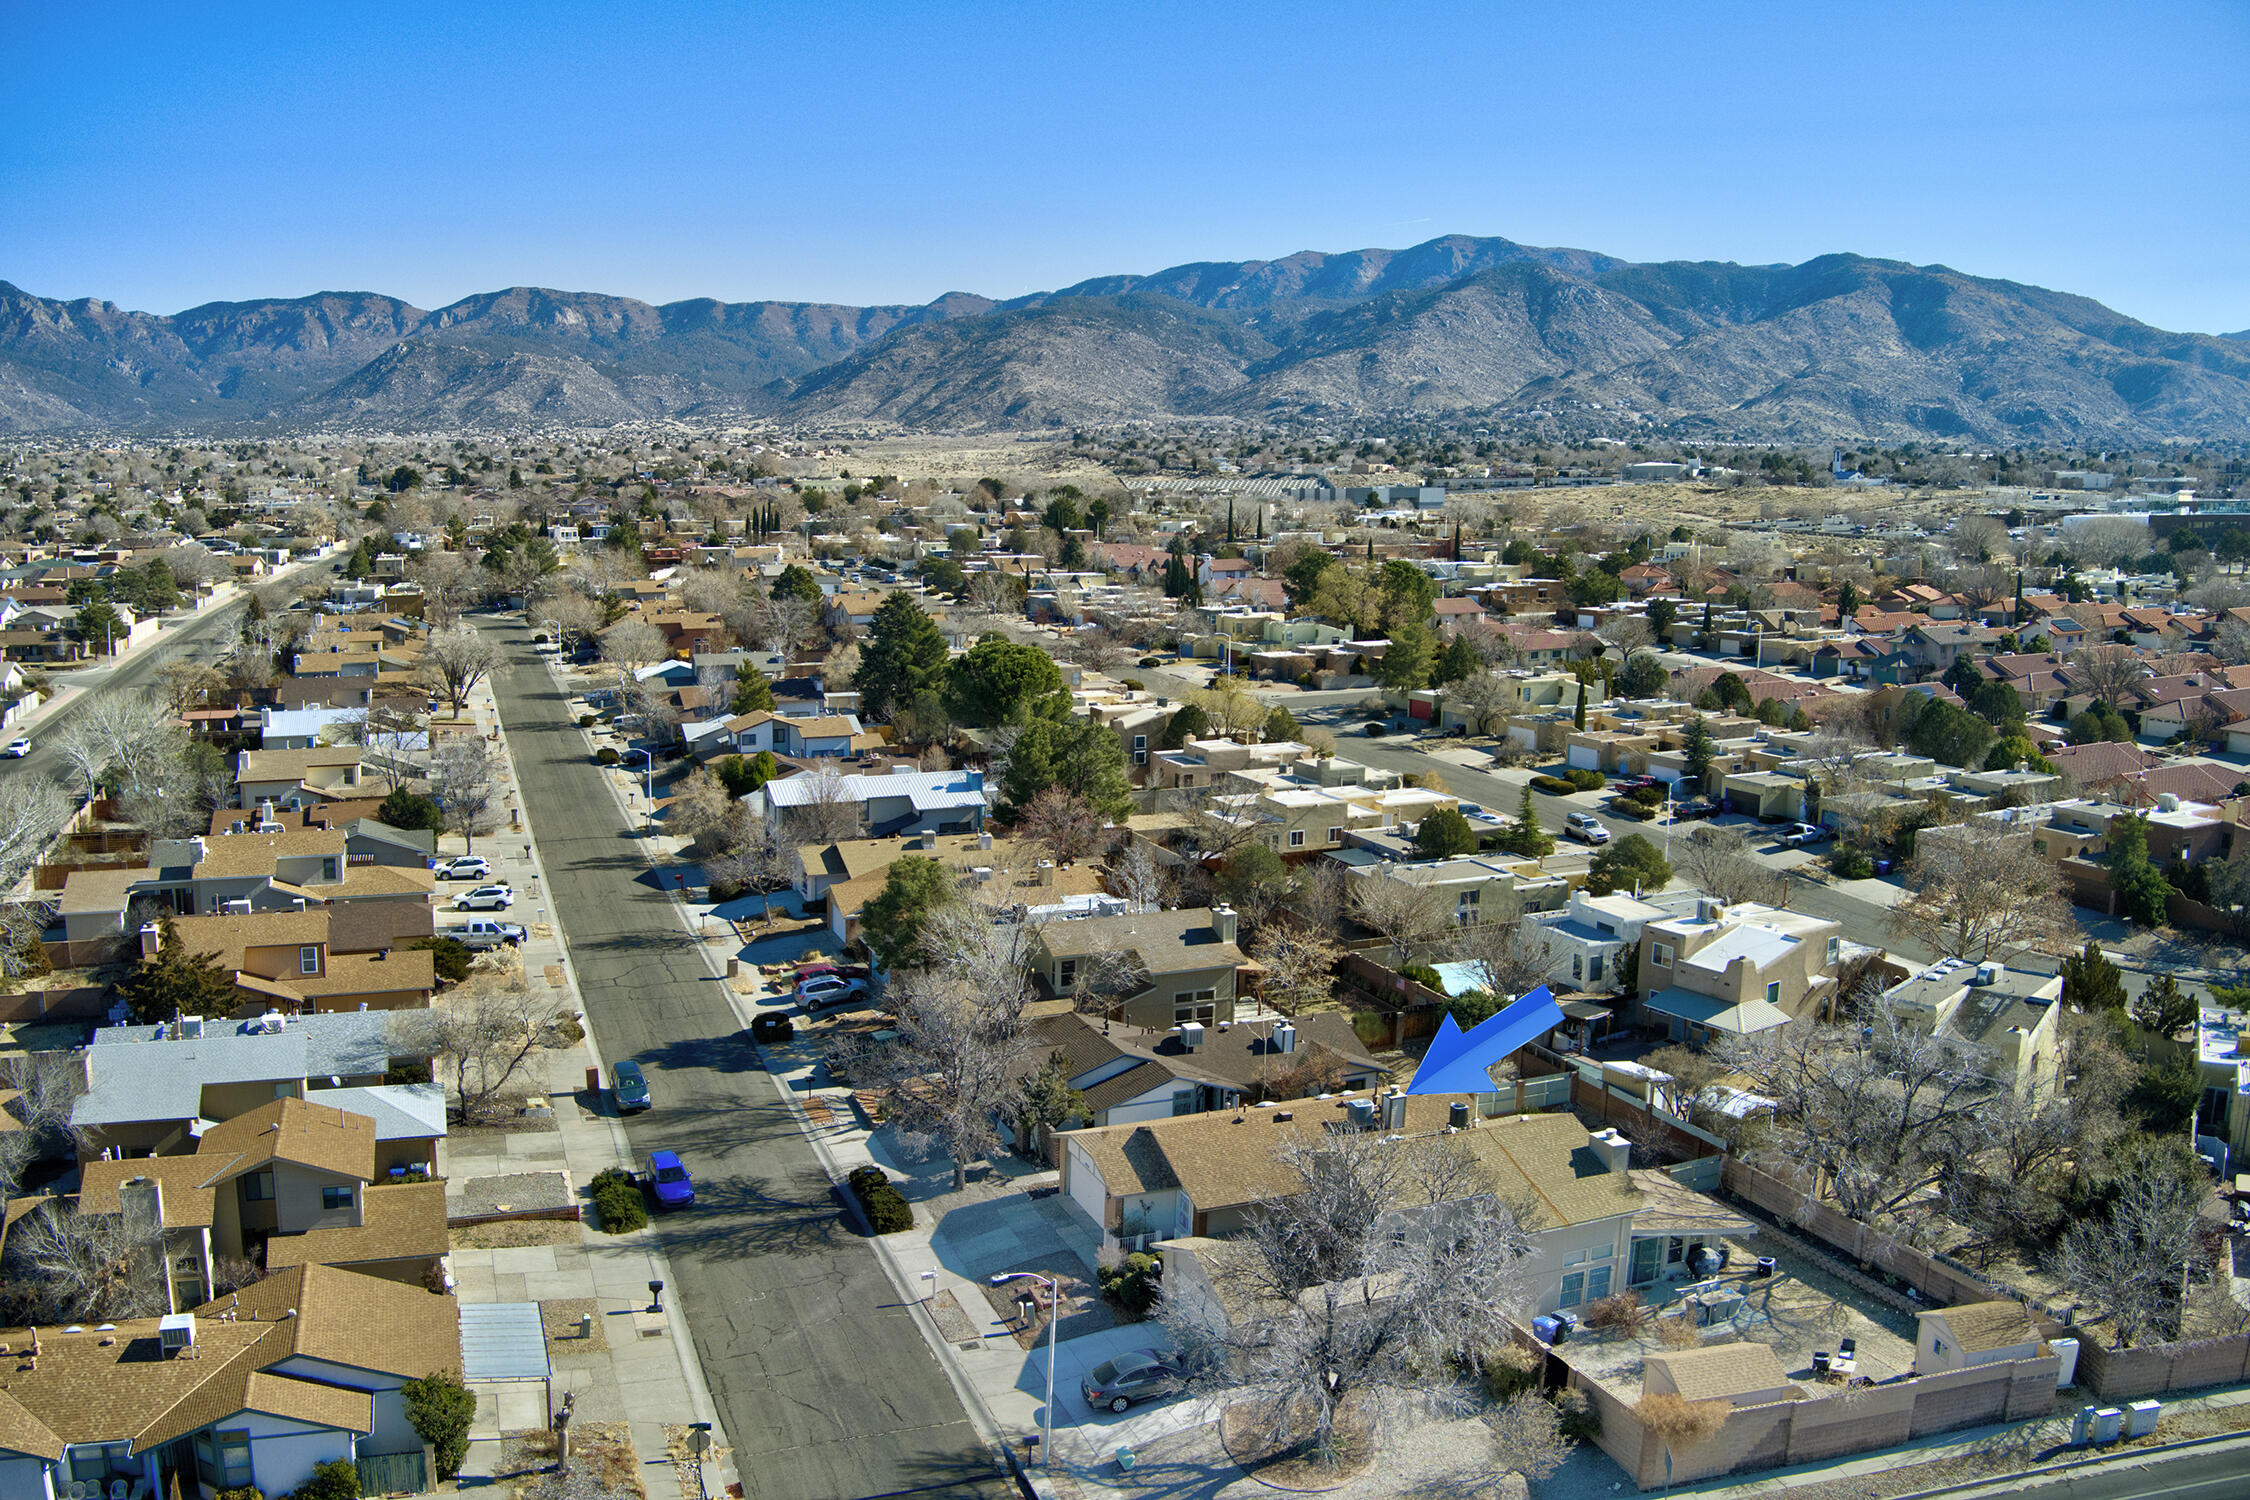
(397, 1222)
(1130, 1084)
(294, 1131)
(361, 1321)
(188, 1196)
(236, 854)
(134, 1074)
(1721, 1371)
(1980, 1327)
(1167, 941)
(401, 1111)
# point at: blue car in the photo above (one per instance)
(669, 1180)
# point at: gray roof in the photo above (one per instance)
(136, 1074)
(401, 1111)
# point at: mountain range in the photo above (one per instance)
(1839, 347)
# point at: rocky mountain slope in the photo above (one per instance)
(1841, 347)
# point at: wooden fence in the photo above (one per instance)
(85, 1002)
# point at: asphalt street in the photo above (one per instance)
(205, 637)
(2219, 1472)
(822, 1378)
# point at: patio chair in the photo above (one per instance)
(1847, 1349)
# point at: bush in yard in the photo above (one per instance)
(1585, 780)
(607, 756)
(888, 1212)
(1581, 1418)
(585, 721)
(1508, 1372)
(1133, 1283)
(1850, 864)
(1424, 975)
(1553, 786)
(617, 1198)
(241, 1492)
(1623, 1312)
(337, 1479)
(440, 1409)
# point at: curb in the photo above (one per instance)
(2048, 1472)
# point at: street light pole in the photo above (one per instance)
(1054, 1320)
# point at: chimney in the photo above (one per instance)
(141, 1200)
(1222, 923)
(1615, 1150)
(151, 937)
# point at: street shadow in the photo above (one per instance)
(730, 1054)
(797, 1215)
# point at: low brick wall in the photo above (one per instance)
(1942, 1283)
(2153, 1369)
(1860, 1419)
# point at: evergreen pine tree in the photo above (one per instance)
(1696, 754)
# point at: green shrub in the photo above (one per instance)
(585, 721)
(617, 1198)
(1553, 786)
(1150, 661)
(1423, 974)
(241, 1492)
(607, 756)
(888, 1212)
(440, 1409)
(1508, 1372)
(1645, 796)
(1585, 780)
(1581, 1418)
(1133, 685)
(1850, 864)
(1132, 1284)
(447, 956)
(337, 1479)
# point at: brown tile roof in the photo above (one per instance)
(369, 974)
(362, 882)
(1980, 1327)
(398, 1221)
(228, 938)
(1130, 1084)
(290, 765)
(291, 1130)
(189, 1199)
(362, 1321)
(238, 854)
(303, 1401)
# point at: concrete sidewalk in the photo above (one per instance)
(636, 1367)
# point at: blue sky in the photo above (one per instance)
(163, 156)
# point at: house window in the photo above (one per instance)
(1835, 951)
(224, 1459)
(1937, 1348)
(1296, 838)
(1194, 1005)
(1773, 993)
(1597, 1283)
(333, 1198)
(1577, 966)
(1066, 974)
(308, 960)
(1335, 835)
(1466, 908)
(1594, 969)
(1573, 1288)
(258, 1188)
(1660, 954)
(331, 870)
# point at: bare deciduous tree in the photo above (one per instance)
(1379, 1264)
(962, 1050)
(46, 1087)
(1300, 964)
(1880, 1113)
(65, 1266)
(455, 659)
(2133, 1266)
(1717, 861)
(464, 774)
(1527, 1437)
(1138, 877)
(1980, 893)
(1062, 825)
(1502, 961)
(572, 618)
(481, 1034)
(2107, 672)
(825, 810)
(1401, 912)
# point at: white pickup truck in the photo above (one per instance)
(480, 933)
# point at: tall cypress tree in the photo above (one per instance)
(904, 657)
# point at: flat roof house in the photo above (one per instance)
(1736, 969)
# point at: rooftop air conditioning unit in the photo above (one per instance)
(1191, 1035)
(1285, 1037)
(175, 1332)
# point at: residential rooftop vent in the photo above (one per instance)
(175, 1332)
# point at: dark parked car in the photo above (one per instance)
(669, 1180)
(1142, 1375)
(630, 1087)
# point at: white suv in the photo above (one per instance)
(1586, 828)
